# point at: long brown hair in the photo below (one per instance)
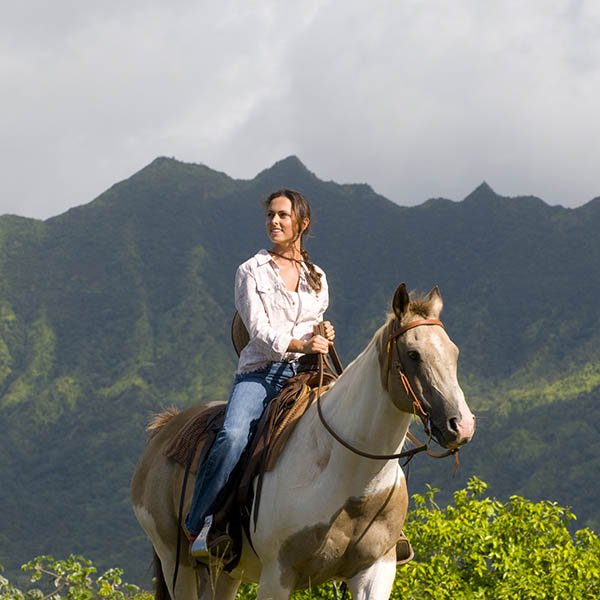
(301, 211)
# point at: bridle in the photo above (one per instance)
(393, 359)
(394, 332)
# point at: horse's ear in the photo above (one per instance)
(434, 298)
(401, 300)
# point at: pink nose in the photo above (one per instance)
(466, 425)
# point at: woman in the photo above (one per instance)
(281, 297)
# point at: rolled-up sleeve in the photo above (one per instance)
(272, 343)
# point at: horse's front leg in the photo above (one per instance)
(375, 583)
(217, 587)
(273, 584)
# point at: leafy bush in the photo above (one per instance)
(482, 548)
(71, 579)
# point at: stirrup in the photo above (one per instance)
(209, 543)
(199, 547)
(404, 551)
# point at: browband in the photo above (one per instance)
(404, 329)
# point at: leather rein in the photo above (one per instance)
(395, 331)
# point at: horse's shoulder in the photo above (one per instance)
(363, 529)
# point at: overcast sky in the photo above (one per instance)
(417, 98)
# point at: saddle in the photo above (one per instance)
(233, 509)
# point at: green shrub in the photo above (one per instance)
(71, 579)
(481, 548)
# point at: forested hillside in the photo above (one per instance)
(121, 307)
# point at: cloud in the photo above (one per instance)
(419, 99)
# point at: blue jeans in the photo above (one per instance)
(249, 397)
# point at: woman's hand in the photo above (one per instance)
(317, 344)
(329, 330)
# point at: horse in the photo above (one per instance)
(326, 511)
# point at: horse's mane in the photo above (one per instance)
(420, 305)
(159, 420)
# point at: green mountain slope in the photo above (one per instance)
(120, 307)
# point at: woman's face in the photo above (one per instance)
(282, 226)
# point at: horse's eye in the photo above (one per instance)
(414, 355)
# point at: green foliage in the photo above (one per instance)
(71, 579)
(38, 370)
(583, 378)
(482, 548)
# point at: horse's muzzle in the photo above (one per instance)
(454, 431)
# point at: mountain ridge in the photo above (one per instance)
(280, 169)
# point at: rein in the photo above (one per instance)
(392, 344)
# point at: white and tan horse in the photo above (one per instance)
(326, 512)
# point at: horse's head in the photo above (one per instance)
(418, 368)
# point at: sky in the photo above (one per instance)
(417, 98)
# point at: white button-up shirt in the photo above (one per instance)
(273, 315)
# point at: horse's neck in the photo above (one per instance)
(361, 411)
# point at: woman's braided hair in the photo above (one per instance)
(301, 211)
